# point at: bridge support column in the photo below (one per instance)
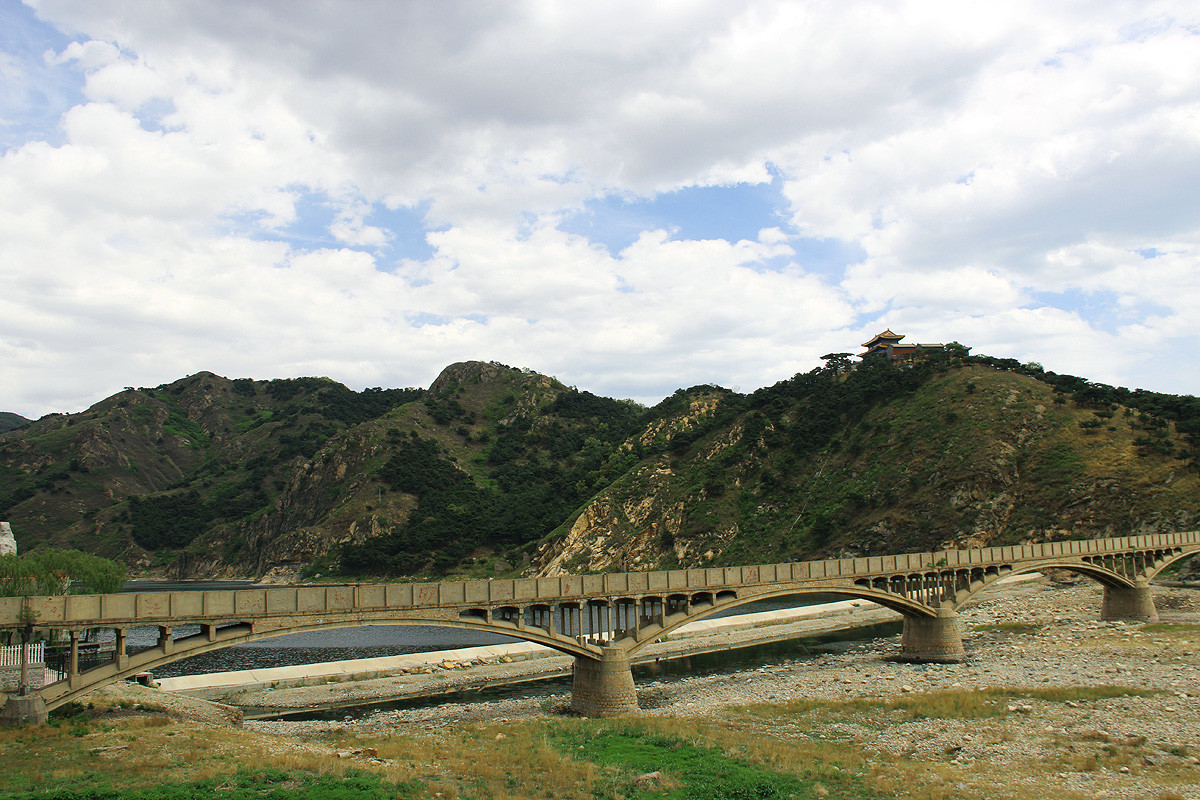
(933, 639)
(73, 664)
(120, 656)
(603, 687)
(1129, 602)
(164, 638)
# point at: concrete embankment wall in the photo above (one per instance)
(366, 668)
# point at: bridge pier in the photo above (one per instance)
(933, 639)
(24, 709)
(1129, 602)
(603, 687)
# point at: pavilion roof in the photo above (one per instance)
(887, 336)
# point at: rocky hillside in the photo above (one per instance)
(883, 461)
(494, 470)
(146, 474)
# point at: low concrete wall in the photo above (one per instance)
(10, 677)
(10, 666)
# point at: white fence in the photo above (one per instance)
(10, 655)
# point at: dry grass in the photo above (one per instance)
(140, 749)
(501, 760)
(827, 742)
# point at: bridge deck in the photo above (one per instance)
(166, 608)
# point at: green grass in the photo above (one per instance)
(981, 704)
(243, 785)
(685, 771)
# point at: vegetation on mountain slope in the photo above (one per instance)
(950, 452)
(10, 421)
(151, 470)
(494, 470)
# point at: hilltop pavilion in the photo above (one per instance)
(888, 343)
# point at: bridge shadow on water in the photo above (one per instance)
(648, 675)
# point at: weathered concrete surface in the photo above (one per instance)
(1135, 603)
(29, 709)
(604, 688)
(933, 639)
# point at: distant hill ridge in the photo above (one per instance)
(494, 470)
(10, 421)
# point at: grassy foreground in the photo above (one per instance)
(792, 750)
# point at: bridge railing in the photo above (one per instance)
(151, 608)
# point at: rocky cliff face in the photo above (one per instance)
(641, 522)
(330, 501)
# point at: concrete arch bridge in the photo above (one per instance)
(600, 619)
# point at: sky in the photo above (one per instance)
(633, 197)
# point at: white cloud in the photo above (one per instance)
(1006, 169)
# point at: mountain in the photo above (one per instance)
(886, 460)
(494, 470)
(141, 475)
(10, 421)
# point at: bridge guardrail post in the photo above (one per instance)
(73, 664)
(119, 654)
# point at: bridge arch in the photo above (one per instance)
(1178, 554)
(63, 691)
(1140, 572)
(1102, 576)
(675, 621)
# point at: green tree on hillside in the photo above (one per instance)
(52, 571)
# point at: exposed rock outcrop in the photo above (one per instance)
(8, 542)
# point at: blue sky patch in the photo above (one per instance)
(36, 93)
(315, 214)
(423, 318)
(732, 213)
(150, 115)
(1102, 310)
(826, 256)
(407, 227)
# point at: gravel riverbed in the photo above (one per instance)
(1124, 746)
